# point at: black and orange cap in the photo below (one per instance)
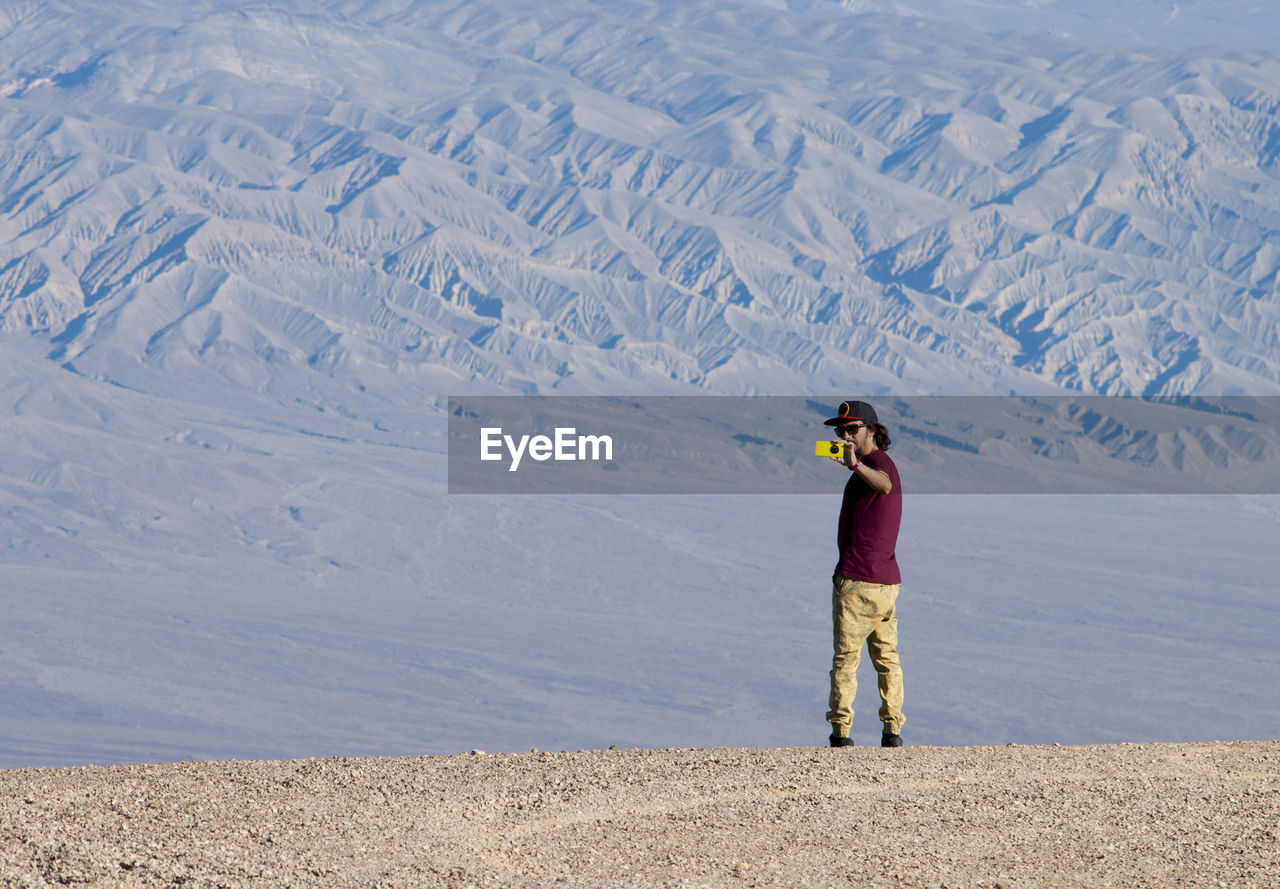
(850, 411)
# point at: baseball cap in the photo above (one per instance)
(853, 410)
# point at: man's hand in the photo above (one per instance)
(846, 454)
(850, 459)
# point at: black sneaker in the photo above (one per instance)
(889, 739)
(837, 741)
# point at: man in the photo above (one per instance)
(866, 581)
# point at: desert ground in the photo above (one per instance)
(1158, 815)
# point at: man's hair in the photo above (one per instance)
(882, 437)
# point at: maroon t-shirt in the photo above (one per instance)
(869, 522)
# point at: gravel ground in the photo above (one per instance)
(1158, 815)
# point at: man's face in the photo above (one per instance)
(855, 433)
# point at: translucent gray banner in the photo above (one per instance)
(941, 444)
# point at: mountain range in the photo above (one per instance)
(593, 196)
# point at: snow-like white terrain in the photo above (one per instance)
(1117, 23)
(612, 196)
(247, 252)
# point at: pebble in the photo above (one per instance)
(1150, 815)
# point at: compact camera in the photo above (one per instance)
(830, 449)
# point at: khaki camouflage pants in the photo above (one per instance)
(864, 612)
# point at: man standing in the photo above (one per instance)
(866, 581)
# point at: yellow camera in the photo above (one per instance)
(830, 449)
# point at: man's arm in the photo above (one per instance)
(879, 481)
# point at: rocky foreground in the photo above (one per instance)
(1159, 815)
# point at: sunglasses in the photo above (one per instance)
(854, 427)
